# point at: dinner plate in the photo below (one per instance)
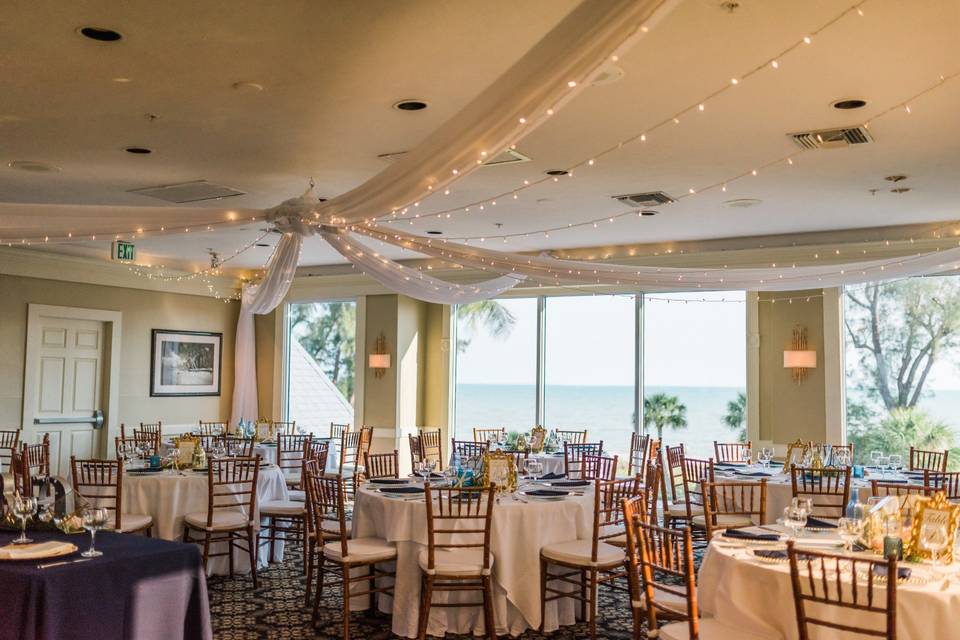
(568, 483)
(39, 550)
(545, 494)
(390, 481)
(399, 491)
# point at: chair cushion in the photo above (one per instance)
(297, 495)
(454, 562)
(281, 508)
(723, 521)
(664, 600)
(222, 520)
(710, 629)
(579, 552)
(361, 550)
(679, 509)
(292, 476)
(134, 522)
(331, 528)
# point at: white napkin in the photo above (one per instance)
(38, 550)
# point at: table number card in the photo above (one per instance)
(500, 469)
(935, 510)
(264, 432)
(538, 438)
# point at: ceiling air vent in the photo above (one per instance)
(832, 138)
(644, 200)
(188, 192)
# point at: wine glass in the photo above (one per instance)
(765, 456)
(93, 519)
(933, 538)
(23, 509)
(795, 520)
(850, 530)
(804, 507)
(896, 463)
(882, 463)
(747, 455)
(534, 468)
(874, 456)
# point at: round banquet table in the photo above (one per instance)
(518, 531)
(748, 594)
(268, 452)
(168, 497)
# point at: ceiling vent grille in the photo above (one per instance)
(651, 199)
(184, 192)
(507, 156)
(832, 138)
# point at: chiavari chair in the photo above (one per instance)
(828, 489)
(37, 456)
(518, 459)
(208, 442)
(457, 557)
(823, 580)
(237, 446)
(123, 446)
(573, 437)
(880, 489)
(693, 472)
(574, 455)
(311, 468)
(484, 435)
(290, 453)
(921, 460)
(639, 452)
(286, 517)
(366, 441)
(834, 448)
(99, 483)
(340, 552)
(673, 480)
(591, 562)
(726, 452)
(381, 465)
(152, 427)
(599, 468)
(213, 428)
(416, 453)
(9, 440)
(947, 482)
(349, 454)
(652, 485)
(317, 452)
(337, 430)
(729, 505)
(286, 427)
(431, 446)
(231, 514)
(20, 475)
(468, 449)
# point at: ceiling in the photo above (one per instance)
(330, 72)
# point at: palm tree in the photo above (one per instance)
(491, 315)
(662, 410)
(736, 416)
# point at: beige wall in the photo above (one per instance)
(789, 410)
(264, 328)
(142, 311)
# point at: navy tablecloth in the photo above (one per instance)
(140, 587)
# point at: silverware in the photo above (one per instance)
(62, 562)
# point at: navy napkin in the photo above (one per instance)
(880, 570)
(552, 476)
(570, 483)
(401, 489)
(754, 474)
(772, 554)
(546, 493)
(817, 523)
(747, 535)
(389, 481)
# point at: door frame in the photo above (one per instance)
(110, 389)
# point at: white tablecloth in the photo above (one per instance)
(268, 452)
(754, 596)
(518, 532)
(169, 497)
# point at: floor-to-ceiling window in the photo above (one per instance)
(496, 371)
(902, 348)
(321, 361)
(694, 368)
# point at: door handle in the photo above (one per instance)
(96, 420)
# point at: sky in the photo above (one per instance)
(590, 341)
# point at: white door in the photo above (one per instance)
(67, 387)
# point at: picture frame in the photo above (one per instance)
(499, 469)
(939, 509)
(185, 363)
(265, 431)
(538, 438)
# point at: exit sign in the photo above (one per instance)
(123, 250)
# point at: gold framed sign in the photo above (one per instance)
(936, 510)
(186, 444)
(264, 431)
(795, 454)
(538, 438)
(500, 469)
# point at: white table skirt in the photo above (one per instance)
(518, 532)
(168, 498)
(747, 594)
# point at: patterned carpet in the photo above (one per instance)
(276, 610)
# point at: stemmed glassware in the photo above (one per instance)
(882, 462)
(425, 468)
(747, 455)
(794, 519)
(850, 530)
(875, 456)
(896, 463)
(533, 467)
(933, 538)
(93, 519)
(23, 508)
(765, 456)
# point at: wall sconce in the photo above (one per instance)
(799, 357)
(379, 360)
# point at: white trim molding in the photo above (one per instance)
(834, 391)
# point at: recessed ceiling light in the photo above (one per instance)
(895, 178)
(100, 34)
(556, 172)
(847, 104)
(434, 232)
(410, 105)
(33, 166)
(140, 151)
(648, 213)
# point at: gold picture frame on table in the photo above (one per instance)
(792, 449)
(264, 431)
(499, 469)
(186, 444)
(939, 510)
(538, 438)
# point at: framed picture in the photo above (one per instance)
(499, 469)
(185, 363)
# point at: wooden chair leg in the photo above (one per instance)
(346, 601)
(308, 560)
(319, 595)
(272, 533)
(426, 598)
(206, 549)
(583, 595)
(252, 541)
(488, 622)
(592, 605)
(230, 540)
(543, 592)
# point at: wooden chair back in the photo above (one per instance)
(921, 460)
(673, 473)
(608, 514)
(484, 435)
(575, 454)
(694, 472)
(151, 438)
(847, 447)
(880, 489)
(600, 467)
(829, 489)
(573, 437)
(37, 456)
(337, 430)
(416, 453)
(458, 519)
(732, 451)
(742, 498)
(431, 446)
(155, 428)
(212, 428)
(947, 482)
(99, 483)
(518, 459)
(349, 452)
(129, 445)
(208, 442)
(20, 470)
(232, 486)
(9, 440)
(318, 451)
(291, 450)
(381, 465)
(651, 488)
(327, 497)
(639, 454)
(468, 448)
(366, 441)
(823, 581)
(237, 446)
(286, 427)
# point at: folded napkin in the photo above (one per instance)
(817, 523)
(38, 550)
(742, 534)
(772, 554)
(401, 489)
(546, 493)
(880, 570)
(552, 476)
(728, 465)
(892, 480)
(570, 483)
(754, 474)
(400, 481)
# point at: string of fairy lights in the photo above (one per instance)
(411, 213)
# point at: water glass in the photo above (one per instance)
(874, 456)
(23, 509)
(93, 519)
(933, 538)
(747, 455)
(765, 456)
(850, 530)
(534, 468)
(882, 462)
(795, 520)
(896, 463)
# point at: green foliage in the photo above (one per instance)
(327, 331)
(489, 315)
(662, 410)
(736, 416)
(898, 431)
